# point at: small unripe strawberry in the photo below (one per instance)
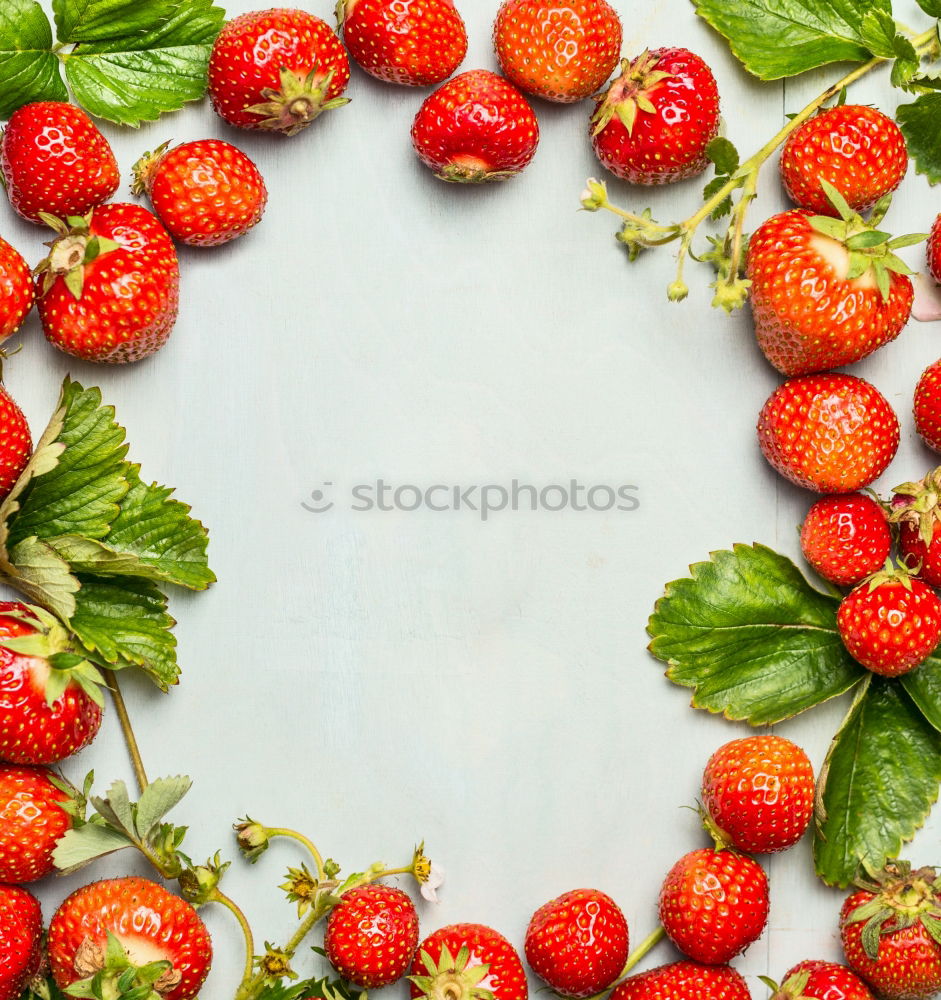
(846, 537)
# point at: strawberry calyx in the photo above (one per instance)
(145, 168)
(450, 978)
(300, 101)
(198, 884)
(109, 974)
(791, 989)
(627, 95)
(919, 504)
(69, 253)
(901, 898)
(890, 573)
(343, 10)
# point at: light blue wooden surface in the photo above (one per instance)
(378, 678)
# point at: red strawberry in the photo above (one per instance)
(20, 940)
(684, 981)
(884, 933)
(46, 712)
(105, 928)
(205, 192)
(15, 443)
(31, 821)
(109, 289)
(928, 406)
(916, 509)
(562, 50)
(857, 149)
(577, 943)
(16, 290)
(467, 962)
(758, 793)
(846, 537)
(714, 904)
(656, 120)
(934, 250)
(477, 127)
(821, 296)
(371, 935)
(417, 44)
(891, 623)
(277, 70)
(54, 160)
(814, 980)
(830, 433)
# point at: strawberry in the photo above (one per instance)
(758, 793)
(477, 127)
(826, 292)
(20, 940)
(277, 70)
(105, 929)
(814, 980)
(888, 932)
(714, 904)
(561, 50)
(54, 160)
(467, 962)
(371, 935)
(48, 710)
(934, 250)
(916, 509)
(846, 537)
(928, 406)
(859, 150)
(418, 44)
(31, 821)
(109, 289)
(577, 943)
(655, 121)
(830, 433)
(15, 442)
(891, 623)
(16, 290)
(684, 981)
(205, 192)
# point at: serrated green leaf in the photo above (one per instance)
(930, 7)
(753, 639)
(781, 38)
(723, 154)
(124, 622)
(877, 30)
(919, 124)
(79, 846)
(119, 804)
(29, 70)
(157, 799)
(923, 686)
(137, 77)
(40, 574)
(96, 20)
(878, 784)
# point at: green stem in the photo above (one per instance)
(129, 738)
(220, 897)
(634, 959)
(301, 839)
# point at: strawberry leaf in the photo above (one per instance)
(41, 575)
(83, 844)
(781, 38)
(878, 783)
(156, 800)
(752, 638)
(919, 124)
(923, 686)
(930, 7)
(97, 20)
(29, 71)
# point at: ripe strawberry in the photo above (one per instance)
(277, 70)
(477, 127)
(205, 192)
(461, 961)
(418, 45)
(859, 150)
(885, 937)
(16, 290)
(109, 289)
(54, 160)
(814, 980)
(20, 940)
(823, 294)
(846, 537)
(31, 821)
(934, 250)
(928, 406)
(758, 793)
(371, 935)
(577, 943)
(104, 929)
(656, 120)
(47, 712)
(830, 433)
(15, 443)
(714, 904)
(684, 981)
(891, 623)
(916, 509)
(562, 51)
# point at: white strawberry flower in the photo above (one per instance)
(429, 875)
